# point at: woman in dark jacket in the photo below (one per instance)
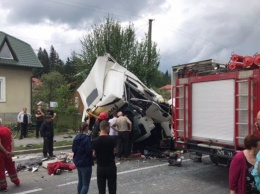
(83, 159)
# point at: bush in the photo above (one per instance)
(60, 127)
(72, 110)
(11, 125)
(65, 122)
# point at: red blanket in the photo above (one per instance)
(53, 167)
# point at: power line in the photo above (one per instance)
(59, 44)
(91, 8)
(184, 33)
(21, 37)
(141, 29)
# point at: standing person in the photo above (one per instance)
(104, 146)
(256, 171)
(51, 112)
(39, 119)
(6, 162)
(113, 131)
(241, 180)
(112, 121)
(47, 133)
(96, 128)
(131, 134)
(90, 119)
(82, 158)
(23, 118)
(124, 126)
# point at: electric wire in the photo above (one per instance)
(91, 8)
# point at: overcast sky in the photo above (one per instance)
(184, 30)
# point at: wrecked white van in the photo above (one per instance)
(110, 87)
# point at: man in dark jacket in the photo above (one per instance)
(47, 132)
(90, 119)
(51, 112)
(96, 127)
(82, 158)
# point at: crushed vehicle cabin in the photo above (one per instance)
(110, 87)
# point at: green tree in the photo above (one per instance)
(121, 42)
(162, 79)
(55, 62)
(68, 70)
(44, 59)
(138, 63)
(75, 71)
(167, 77)
(64, 96)
(49, 90)
(55, 88)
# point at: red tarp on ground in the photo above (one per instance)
(53, 167)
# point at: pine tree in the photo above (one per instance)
(52, 58)
(44, 59)
(46, 62)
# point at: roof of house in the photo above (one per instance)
(36, 80)
(21, 52)
(166, 87)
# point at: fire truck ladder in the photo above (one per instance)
(182, 111)
(243, 113)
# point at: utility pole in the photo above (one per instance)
(149, 49)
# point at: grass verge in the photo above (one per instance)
(36, 146)
(32, 134)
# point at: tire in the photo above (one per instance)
(220, 160)
(214, 159)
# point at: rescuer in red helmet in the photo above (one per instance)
(102, 116)
(95, 131)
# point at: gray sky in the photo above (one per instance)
(184, 30)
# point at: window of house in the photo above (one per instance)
(5, 52)
(2, 89)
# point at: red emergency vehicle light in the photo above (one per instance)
(248, 61)
(237, 58)
(235, 65)
(257, 59)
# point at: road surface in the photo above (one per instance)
(136, 176)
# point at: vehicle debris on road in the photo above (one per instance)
(62, 161)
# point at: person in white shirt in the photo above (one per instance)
(24, 119)
(113, 131)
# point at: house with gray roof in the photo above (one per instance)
(17, 60)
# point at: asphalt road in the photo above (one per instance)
(135, 177)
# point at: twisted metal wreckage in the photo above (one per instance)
(110, 87)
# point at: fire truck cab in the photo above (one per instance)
(215, 108)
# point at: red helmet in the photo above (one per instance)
(102, 116)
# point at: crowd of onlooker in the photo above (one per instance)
(101, 138)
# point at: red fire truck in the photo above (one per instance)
(215, 107)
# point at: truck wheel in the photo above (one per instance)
(214, 159)
(224, 161)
